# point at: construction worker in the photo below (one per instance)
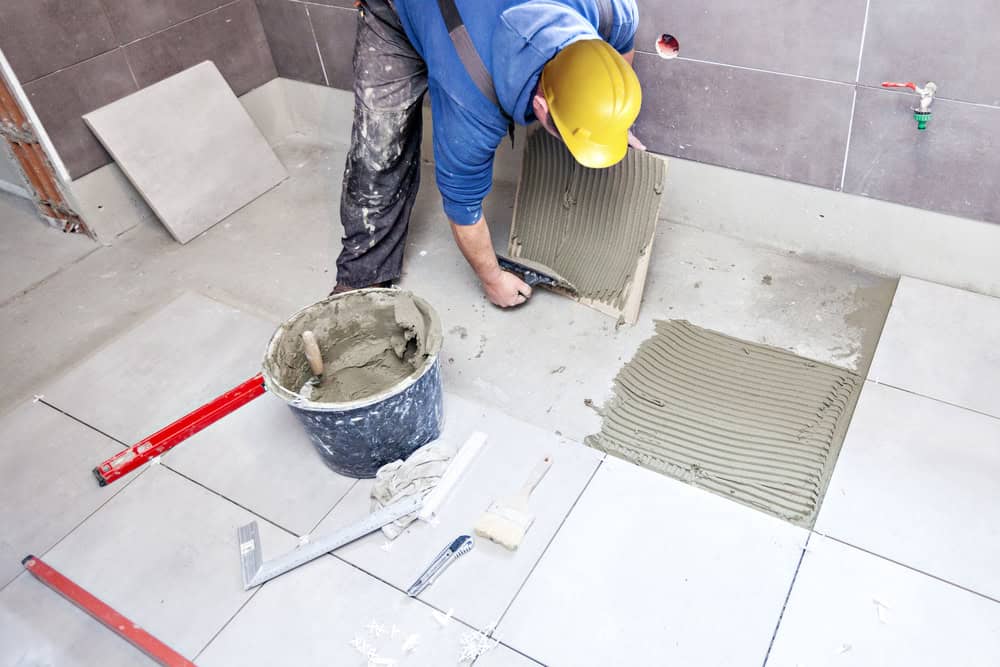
(488, 64)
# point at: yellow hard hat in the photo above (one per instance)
(594, 97)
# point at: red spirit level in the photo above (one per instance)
(168, 437)
(114, 621)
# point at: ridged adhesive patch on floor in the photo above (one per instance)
(592, 226)
(750, 422)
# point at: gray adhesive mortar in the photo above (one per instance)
(590, 226)
(750, 422)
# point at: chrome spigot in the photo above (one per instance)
(921, 112)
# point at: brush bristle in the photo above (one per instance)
(504, 525)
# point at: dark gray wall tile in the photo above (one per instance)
(290, 37)
(232, 37)
(335, 31)
(42, 36)
(133, 19)
(954, 44)
(952, 167)
(770, 124)
(815, 38)
(334, 3)
(60, 100)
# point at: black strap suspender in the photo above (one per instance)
(473, 63)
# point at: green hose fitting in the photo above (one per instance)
(922, 119)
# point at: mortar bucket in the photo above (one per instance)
(380, 397)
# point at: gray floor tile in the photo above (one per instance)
(742, 119)
(965, 64)
(311, 616)
(48, 488)
(39, 627)
(941, 342)
(951, 167)
(190, 149)
(164, 553)
(502, 656)
(186, 354)
(648, 570)
(480, 585)
(851, 608)
(31, 249)
(916, 483)
(810, 37)
(260, 457)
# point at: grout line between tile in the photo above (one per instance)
(552, 539)
(228, 621)
(847, 146)
(864, 33)
(931, 398)
(335, 505)
(187, 20)
(788, 595)
(513, 650)
(312, 30)
(908, 567)
(80, 421)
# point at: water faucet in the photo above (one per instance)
(921, 112)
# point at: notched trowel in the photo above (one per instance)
(536, 274)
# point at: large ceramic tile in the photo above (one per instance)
(164, 553)
(133, 19)
(941, 342)
(261, 458)
(848, 607)
(648, 570)
(290, 37)
(916, 483)
(62, 98)
(31, 249)
(312, 615)
(743, 119)
(335, 29)
(480, 585)
(810, 38)
(951, 167)
(501, 656)
(46, 459)
(190, 148)
(231, 37)
(186, 354)
(39, 627)
(933, 41)
(39, 38)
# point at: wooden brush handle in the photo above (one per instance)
(536, 475)
(312, 352)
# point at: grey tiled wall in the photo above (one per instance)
(73, 56)
(311, 41)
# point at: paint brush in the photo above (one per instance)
(315, 359)
(507, 520)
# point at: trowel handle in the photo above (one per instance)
(536, 475)
(312, 352)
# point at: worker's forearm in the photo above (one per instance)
(475, 243)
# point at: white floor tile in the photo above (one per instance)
(164, 553)
(649, 571)
(312, 615)
(38, 627)
(916, 482)
(184, 355)
(941, 342)
(480, 585)
(848, 607)
(502, 656)
(261, 458)
(46, 459)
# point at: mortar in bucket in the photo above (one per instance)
(379, 398)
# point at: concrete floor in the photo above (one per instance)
(538, 362)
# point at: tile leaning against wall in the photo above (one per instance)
(952, 167)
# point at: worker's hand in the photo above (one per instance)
(506, 290)
(634, 142)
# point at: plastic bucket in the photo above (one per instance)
(380, 416)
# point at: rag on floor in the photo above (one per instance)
(418, 474)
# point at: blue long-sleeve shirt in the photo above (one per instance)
(514, 38)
